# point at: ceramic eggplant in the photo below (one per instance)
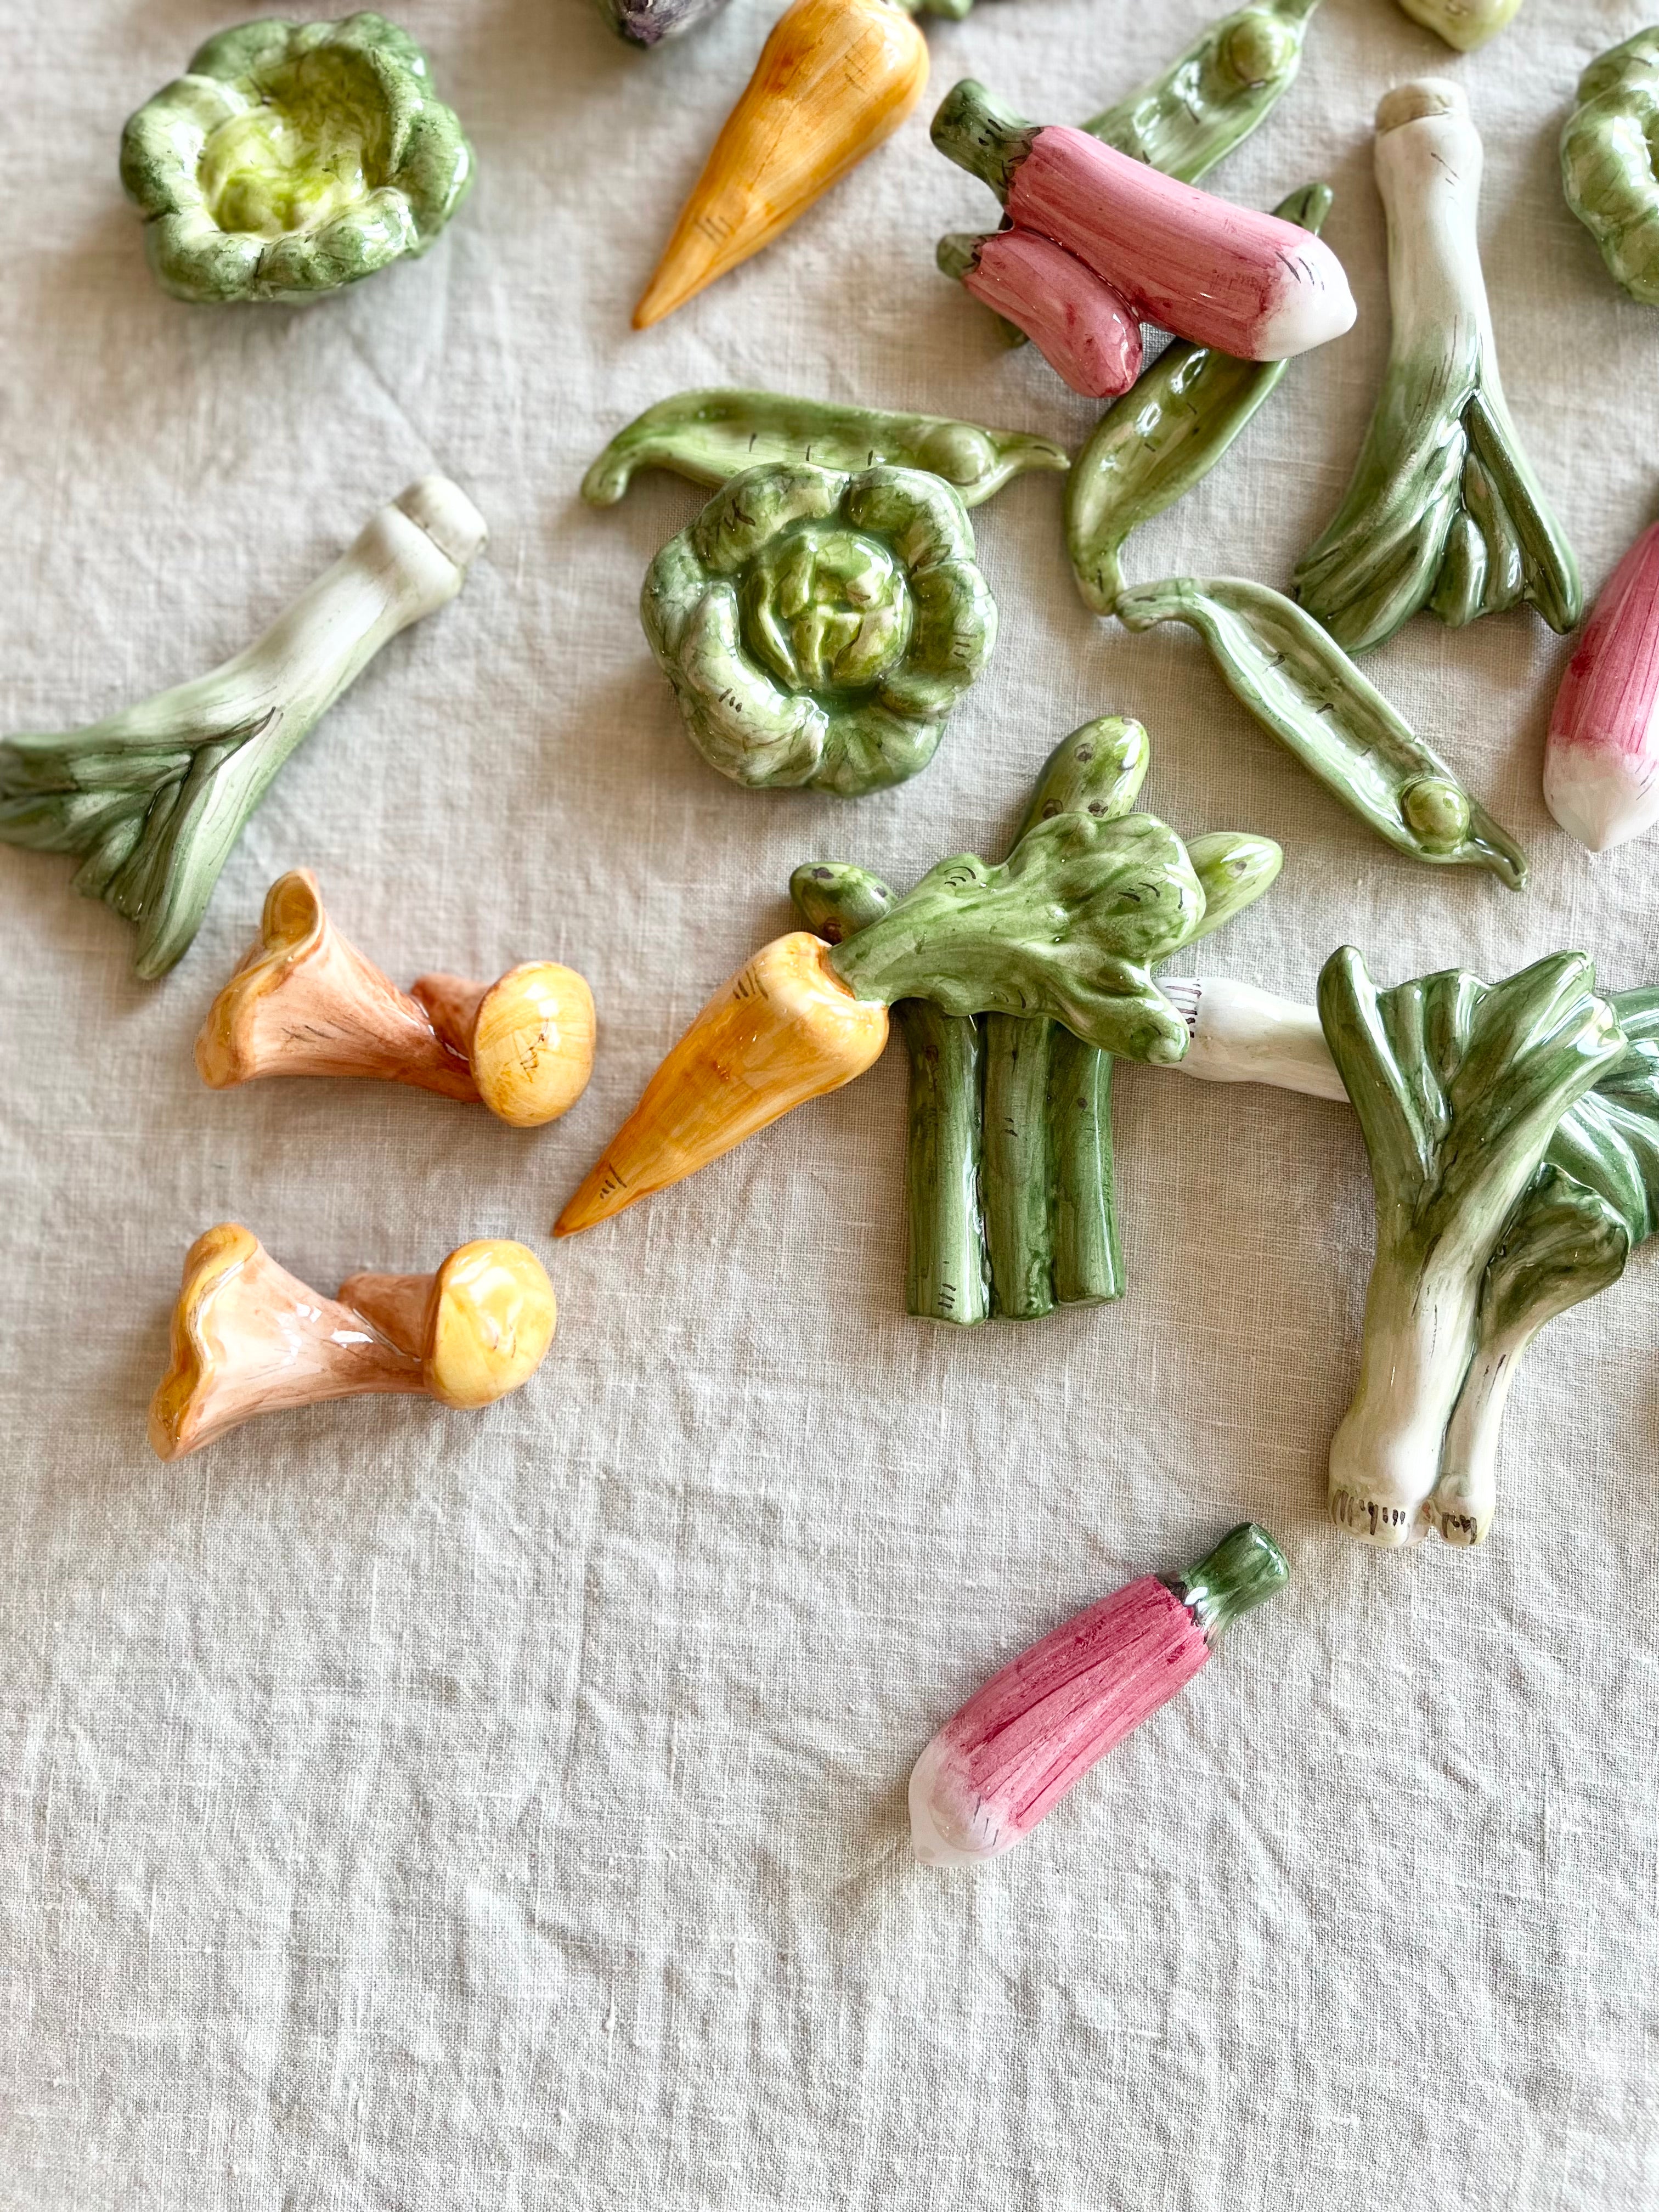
(1165, 436)
(1221, 276)
(1067, 928)
(291, 159)
(306, 1002)
(1601, 761)
(711, 436)
(1299, 684)
(248, 1338)
(1004, 1760)
(153, 798)
(1607, 161)
(817, 627)
(648, 22)
(1443, 509)
(834, 79)
(1010, 1183)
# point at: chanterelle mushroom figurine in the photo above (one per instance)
(306, 1002)
(247, 1338)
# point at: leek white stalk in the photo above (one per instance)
(153, 798)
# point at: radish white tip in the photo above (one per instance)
(1595, 797)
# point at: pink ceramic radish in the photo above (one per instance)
(1601, 766)
(1249, 284)
(1079, 326)
(1020, 1743)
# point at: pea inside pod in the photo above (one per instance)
(1301, 686)
(712, 435)
(1164, 437)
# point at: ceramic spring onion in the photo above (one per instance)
(152, 799)
(1601, 760)
(1067, 927)
(1443, 509)
(1017, 1747)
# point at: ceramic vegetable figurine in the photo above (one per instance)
(817, 627)
(1222, 276)
(291, 159)
(1459, 1087)
(713, 436)
(1301, 686)
(1443, 509)
(1010, 1186)
(306, 1002)
(248, 1338)
(1465, 24)
(648, 22)
(1004, 1761)
(1068, 927)
(1607, 164)
(1213, 95)
(834, 78)
(152, 799)
(1159, 440)
(1601, 763)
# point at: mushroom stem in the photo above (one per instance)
(248, 1338)
(305, 1001)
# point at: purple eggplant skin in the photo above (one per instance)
(648, 22)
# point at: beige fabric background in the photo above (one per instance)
(405, 1809)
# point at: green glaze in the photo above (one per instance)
(1245, 1569)
(946, 1272)
(1213, 94)
(1163, 436)
(1608, 148)
(817, 627)
(1443, 509)
(711, 436)
(1301, 686)
(292, 159)
(1459, 1087)
(153, 798)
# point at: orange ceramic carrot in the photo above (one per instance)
(834, 78)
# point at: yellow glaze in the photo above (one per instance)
(493, 1317)
(532, 1043)
(785, 1028)
(834, 78)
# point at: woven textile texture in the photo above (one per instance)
(405, 1809)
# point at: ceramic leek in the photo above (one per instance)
(1607, 161)
(1066, 928)
(1459, 1087)
(1601, 763)
(153, 798)
(1293, 676)
(711, 436)
(1443, 509)
(1194, 265)
(1004, 1760)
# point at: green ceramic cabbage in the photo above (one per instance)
(817, 627)
(291, 159)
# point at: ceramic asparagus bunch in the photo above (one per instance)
(153, 798)
(1010, 1183)
(1443, 509)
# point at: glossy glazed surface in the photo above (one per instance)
(1608, 148)
(1601, 763)
(1087, 335)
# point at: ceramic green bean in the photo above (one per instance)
(1301, 686)
(1214, 94)
(710, 436)
(1607, 161)
(1162, 437)
(945, 1272)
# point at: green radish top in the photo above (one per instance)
(1245, 1570)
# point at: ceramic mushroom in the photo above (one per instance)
(305, 1001)
(247, 1338)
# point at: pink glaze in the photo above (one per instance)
(1079, 326)
(1020, 1743)
(1602, 765)
(1224, 275)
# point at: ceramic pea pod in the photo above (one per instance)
(1213, 94)
(1299, 684)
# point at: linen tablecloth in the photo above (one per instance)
(410, 1810)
